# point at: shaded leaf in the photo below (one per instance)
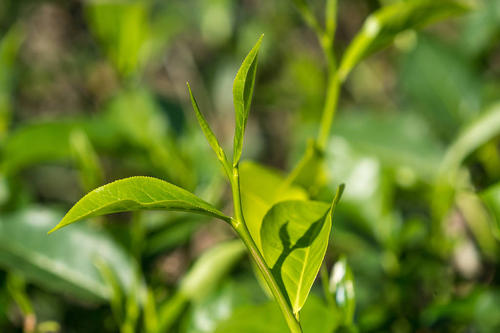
(267, 318)
(381, 27)
(261, 188)
(55, 262)
(137, 193)
(242, 97)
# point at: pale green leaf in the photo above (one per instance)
(261, 188)
(294, 238)
(209, 269)
(137, 193)
(381, 27)
(242, 97)
(211, 138)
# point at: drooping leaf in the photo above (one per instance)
(294, 238)
(211, 138)
(242, 97)
(55, 262)
(137, 193)
(381, 27)
(476, 134)
(261, 188)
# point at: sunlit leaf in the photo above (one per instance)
(294, 237)
(55, 262)
(137, 193)
(382, 27)
(212, 140)
(242, 97)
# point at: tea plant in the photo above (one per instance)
(294, 234)
(288, 236)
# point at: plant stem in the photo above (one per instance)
(242, 230)
(332, 92)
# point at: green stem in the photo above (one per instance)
(332, 92)
(241, 228)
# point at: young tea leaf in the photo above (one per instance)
(381, 27)
(137, 193)
(294, 238)
(211, 138)
(242, 97)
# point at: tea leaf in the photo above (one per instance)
(381, 27)
(136, 193)
(211, 138)
(56, 263)
(294, 237)
(242, 97)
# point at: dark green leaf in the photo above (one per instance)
(137, 193)
(242, 97)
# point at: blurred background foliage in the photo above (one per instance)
(94, 91)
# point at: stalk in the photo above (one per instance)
(242, 230)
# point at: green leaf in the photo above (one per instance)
(242, 97)
(137, 193)
(209, 269)
(294, 237)
(55, 262)
(262, 187)
(212, 140)
(381, 27)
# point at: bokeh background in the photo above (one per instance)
(94, 91)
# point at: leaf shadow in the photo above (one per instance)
(303, 242)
